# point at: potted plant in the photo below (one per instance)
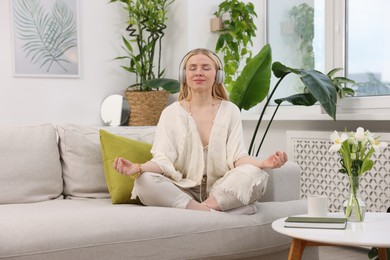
(238, 29)
(148, 96)
(253, 84)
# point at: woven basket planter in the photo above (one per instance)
(146, 106)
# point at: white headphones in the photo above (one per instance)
(219, 77)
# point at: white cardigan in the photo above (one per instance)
(178, 150)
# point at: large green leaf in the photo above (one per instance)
(318, 84)
(321, 87)
(252, 86)
(280, 70)
(303, 99)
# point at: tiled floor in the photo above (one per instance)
(344, 253)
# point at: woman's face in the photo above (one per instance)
(200, 73)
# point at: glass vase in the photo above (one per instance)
(354, 207)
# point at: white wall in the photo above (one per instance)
(101, 24)
(57, 100)
(26, 101)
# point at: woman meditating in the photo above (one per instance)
(199, 159)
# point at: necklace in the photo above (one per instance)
(189, 108)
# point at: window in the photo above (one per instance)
(351, 34)
(368, 46)
(296, 33)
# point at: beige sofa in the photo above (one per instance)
(54, 204)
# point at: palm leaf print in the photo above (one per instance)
(46, 36)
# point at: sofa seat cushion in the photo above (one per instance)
(97, 229)
(30, 164)
(81, 157)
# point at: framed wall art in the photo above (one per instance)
(45, 38)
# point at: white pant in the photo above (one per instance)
(154, 189)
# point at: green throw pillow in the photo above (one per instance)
(113, 146)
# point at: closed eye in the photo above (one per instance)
(204, 67)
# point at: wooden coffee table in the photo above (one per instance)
(373, 232)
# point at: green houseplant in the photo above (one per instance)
(253, 85)
(238, 29)
(143, 47)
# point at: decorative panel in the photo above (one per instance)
(320, 176)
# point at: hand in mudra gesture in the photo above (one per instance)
(275, 160)
(125, 167)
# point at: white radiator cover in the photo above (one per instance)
(320, 176)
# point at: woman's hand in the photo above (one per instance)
(275, 160)
(125, 167)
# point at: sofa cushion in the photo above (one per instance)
(113, 146)
(81, 157)
(30, 166)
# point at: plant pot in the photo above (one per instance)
(146, 106)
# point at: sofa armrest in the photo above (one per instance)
(283, 183)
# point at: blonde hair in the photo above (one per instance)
(218, 89)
